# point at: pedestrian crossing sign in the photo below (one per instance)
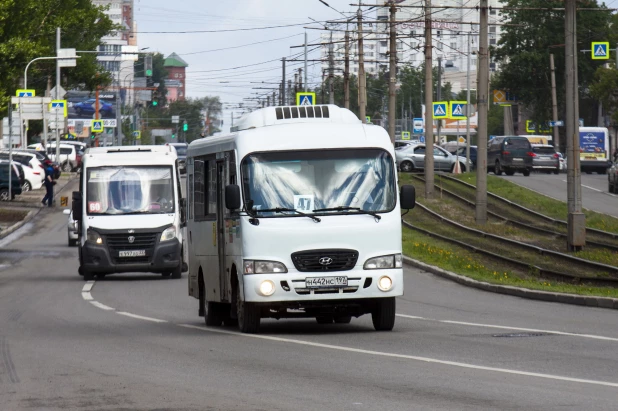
(58, 106)
(97, 126)
(440, 109)
(600, 50)
(458, 110)
(405, 135)
(25, 93)
(305, 99)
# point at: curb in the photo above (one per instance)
(31, 214)
(585, 300)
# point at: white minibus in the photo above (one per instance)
(130, 212)
(295, 213)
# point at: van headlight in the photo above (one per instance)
(385, 261)
(93, 237)
(263, 267)
(168, 234)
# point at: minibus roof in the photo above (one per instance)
(130, 155)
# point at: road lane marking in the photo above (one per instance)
(407, 357)
(592, 336)
(87, 296)
(102, 306)
(88, 287)
(140, 317)
(592, 188)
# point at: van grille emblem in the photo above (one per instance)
(131, 239)
(325, 261)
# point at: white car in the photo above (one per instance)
(34, 172)
(71, 228)
(70, 155)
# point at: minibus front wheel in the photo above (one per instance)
(383, 314)
(248, 316)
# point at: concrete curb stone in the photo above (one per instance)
(585, 300)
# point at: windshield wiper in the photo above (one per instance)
(345, 208)
(283, 210)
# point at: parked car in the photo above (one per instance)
(404, 143)
(71, 228)
(181, 152)
(33, 177)
(563, 162)
(545, 158)
(413, 158)
(70, 157)
(44, 159)
(461, 151)
(87, 107)
(16, 180)
(509, 154)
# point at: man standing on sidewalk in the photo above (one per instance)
(49, 184)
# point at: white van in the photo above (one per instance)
(296, 213)
(130, 210)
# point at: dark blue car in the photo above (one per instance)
(106, 109)
(461, 151)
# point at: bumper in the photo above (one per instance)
(164, 257)
(290, 289)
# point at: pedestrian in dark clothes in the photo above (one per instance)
(49, 184)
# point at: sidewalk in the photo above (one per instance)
(16, 213)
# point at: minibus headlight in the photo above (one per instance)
(168, 234)
(93, 237)
(385, 283)
(264, 267)
(267, 288)
(385, 261)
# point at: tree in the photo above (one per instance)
(604, 89)
(531, 36)
(212, 109)
(28, 30)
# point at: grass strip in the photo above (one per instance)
(8, 215)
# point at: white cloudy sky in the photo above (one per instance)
(214, 72)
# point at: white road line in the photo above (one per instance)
(87, 296)
(139, 317)
(102, 306)
(592, 336)
(592, 188)
(407, 357)
(88, 287)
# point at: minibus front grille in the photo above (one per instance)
(324, 260)
(314, 291)
(137, 241)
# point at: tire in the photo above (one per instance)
(383, 314)
(604, 171)
(343, 319)
(177, 273)
(497, 169)
(26, 186)
(67, 167)
(72, 243)
(166, 274)
(406, 167)
(4, 195)
(213, 315)
(88, 276)
(509, 172)
(100, 276)
(248, 315)
(326, 319)
(557, 171)
(526, 173)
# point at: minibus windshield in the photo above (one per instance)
(349, 181)
(129, 190)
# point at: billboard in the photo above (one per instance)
(81, 111)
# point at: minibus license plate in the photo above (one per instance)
(132, 253)
(518, 159)
(319, 282)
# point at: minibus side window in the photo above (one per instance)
(199, 194)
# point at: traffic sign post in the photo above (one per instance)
(368, 119)
(405, 135)
(558, 123)
(600, 50)
(417, 126)
(97, 126)
(25, 93)
(440, 110)
(137, 134)
(458, 110)
(305, 99)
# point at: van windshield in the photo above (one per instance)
(129, 190)
(311, 180)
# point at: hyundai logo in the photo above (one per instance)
(325, 261)
(131, 239)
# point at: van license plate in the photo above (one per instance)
(518, 159)
(132, 253)
(319, 282)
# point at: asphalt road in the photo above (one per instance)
(139, 345)
(595, 196)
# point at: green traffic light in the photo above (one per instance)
(173, 135)
(149, 73)
(185, 127)
(155, 102)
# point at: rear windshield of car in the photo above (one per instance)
(521, 143)
(544, 150)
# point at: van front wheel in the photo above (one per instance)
(383, 314)
(248, 316)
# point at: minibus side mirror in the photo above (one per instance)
(232, 197)
(183, 212)
(407, 196)
(76, 206)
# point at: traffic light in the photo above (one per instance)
(155, 103)
(185, 126)
(148, 65)
(173, 136)
(93, 136)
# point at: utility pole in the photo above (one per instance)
(58, 95)
(439, 95)
(392, 82)
(346, 72)
(429, 172)
(281, 93)
(554, 102)
(576, 228)
(273, 99)
(300, 79)
(331, 72)
(362, 85)
(284, 100)
(482, 101)
(468, 108)
(289, 96)
(306, 83)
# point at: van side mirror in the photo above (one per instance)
(76, 206)
(407, 196)
(232, 197)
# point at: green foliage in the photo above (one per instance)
(604, 89)
(28, 30)
(528, 40)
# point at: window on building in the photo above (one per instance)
(383, 44)
(492, 29)
(399, 45)
(492, 12)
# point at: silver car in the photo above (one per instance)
(545, 158)
(413, 158)
(71, 228)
